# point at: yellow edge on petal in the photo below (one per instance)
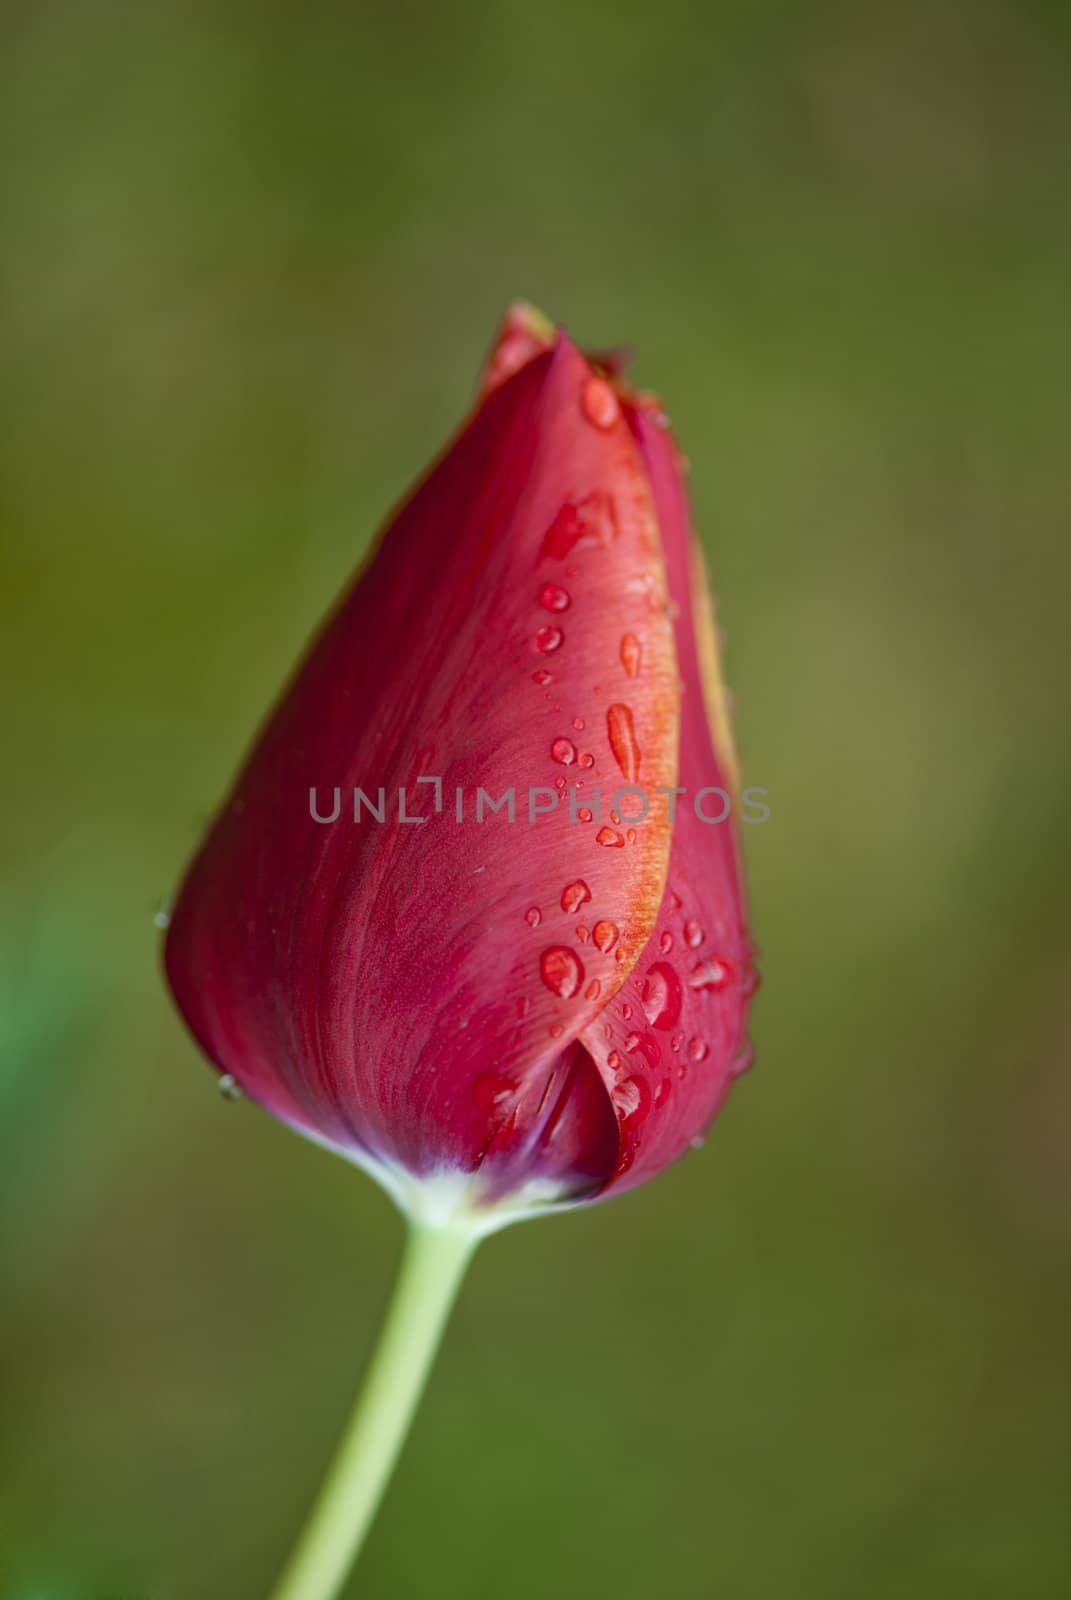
(532, 320)
(715, 694)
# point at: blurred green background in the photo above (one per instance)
(252, 256)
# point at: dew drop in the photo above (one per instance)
(492, 1090)
(622, 734)
(582, 933)
(693, 935)
(631, 654)
(605, 935)
(593, 990)
(713, 974)
(587, 759)
(610, 838)
(663, 1094)
(749, 982)
(665, 944)
(574, 896)
(613, 1061)
(661, 996)
(626, 1011)
(631, 836)
(632, 1098)
(584, 814)
(564, 752)
(542, 677)
(561, 971)
(565, 531)
(229, 1087)
(743, 1060)
(646, 1045)
(676, 1041)
(548, 639)
(162, 914)
(698, 1050)
(533, 916)
(600, 403)
(578, 724)
(552, 597)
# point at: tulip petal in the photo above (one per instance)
(673, 1038)
(524, 334)
(412, 991)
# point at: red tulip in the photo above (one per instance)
(491, 1013)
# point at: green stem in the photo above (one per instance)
(431, 1272)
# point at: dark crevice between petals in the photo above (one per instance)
(571, 1136)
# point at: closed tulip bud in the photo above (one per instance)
(472, 915)
(493, 1010)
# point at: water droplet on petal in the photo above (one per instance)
(605, 935)
(548, 639)
(749, 982)
(492, 1090)
(631, 654)
(622, 734)
(552, 597)
(574, 895)
(665, 944)
(593, 990)
(581, 933)
(542, 677)
(162, 914)
(632, 1098)
(610, 838)
(533, 916)
(584, 814)
(589, 522)
(578, 724)
(613, 1061)
(661, 995)
(693, 935)
(663, 1094)
(646, 1045)
(587, 759)
(229, 1087)
(676, 1041)
(564, 752)
(713, 974)
(561, 971)
(698, 1049)
(626, 1011)
(743, 1060)
(600, 403)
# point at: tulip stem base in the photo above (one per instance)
(432, 1268)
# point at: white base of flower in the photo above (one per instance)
(449, 1199)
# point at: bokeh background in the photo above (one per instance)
(252, 255)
